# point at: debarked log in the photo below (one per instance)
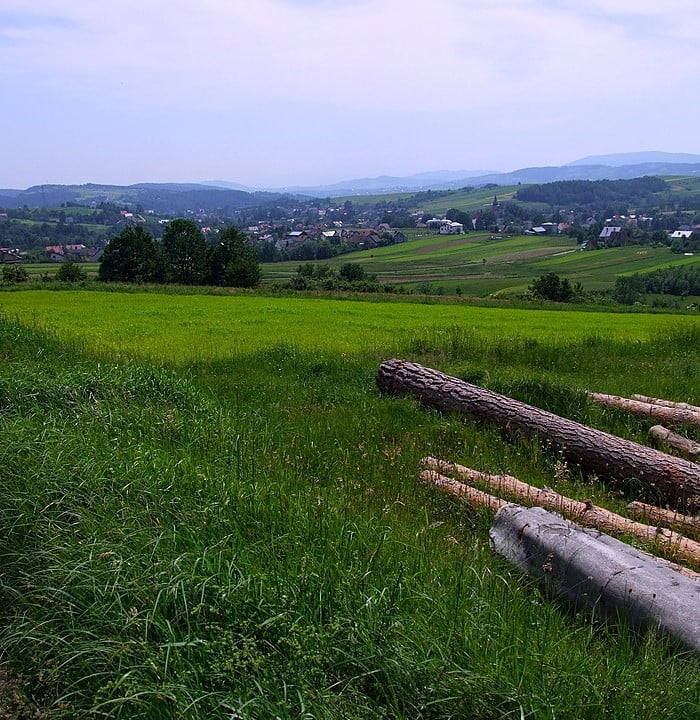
(584, 513)
(662, 516)
(663, 436)
(595, 450)
(598, 571)
(662, 413)
(665, 403)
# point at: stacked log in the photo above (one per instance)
(673, 478)
(672, 415)
(663, 436)
(666, 403)
(584, 513)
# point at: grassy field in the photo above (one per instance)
(51, 268)
(481, 264)
(186, 328)
(210, 512)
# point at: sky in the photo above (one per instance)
(270, 93)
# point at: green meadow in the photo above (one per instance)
(190, 327)
(209, 511)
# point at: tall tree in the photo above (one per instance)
(186, 251)
(232, 262)
(132, 256)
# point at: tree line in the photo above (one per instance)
(593, 192)
(183, 256)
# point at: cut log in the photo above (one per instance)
(668, 542)
(668, 415)
(662, 516)
(666, 403)
(474, 497)
(605, 454)
(597, 571)
(661, 435)
(477, 498)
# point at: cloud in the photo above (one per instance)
(362, 53)
(384, 74)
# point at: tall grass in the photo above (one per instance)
(245, 536)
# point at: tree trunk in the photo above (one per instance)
(666, 403)
(668, 415)
(689, 523)
(597, 451)
(668, 542)
(598, 571)
(687, 447)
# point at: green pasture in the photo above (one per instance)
(51, 268)
(184, 328)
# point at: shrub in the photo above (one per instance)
(70, 272)
(14, 274)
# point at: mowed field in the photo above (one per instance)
(481, 264)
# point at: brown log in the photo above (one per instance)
(666, 403)
(597, 451)
(661, 435)
(668, 415)
(670, 543)
(662, 516)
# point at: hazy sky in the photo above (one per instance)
(273, 92)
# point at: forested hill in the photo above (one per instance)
(588, 192)
(161, 197)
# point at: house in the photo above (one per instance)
(609, 231)
(363, 239)
(397, 236)
(9, 257)
(295, 237)
(451, 228)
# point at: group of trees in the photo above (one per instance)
(183, 256)
(553, 287)
(680, 281)
(349, 276)
(567, 193)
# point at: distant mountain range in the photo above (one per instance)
(222, 194)
(160, 197)
(598, 167)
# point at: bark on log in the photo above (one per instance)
(661, 435)
(668, 542)
(600, 452)
(662, 516)
(666, 403)
(668, 415)
(598, 571)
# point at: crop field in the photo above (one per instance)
(209, 511)
(481, 264)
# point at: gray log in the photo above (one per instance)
(603, 453)
(597, 571)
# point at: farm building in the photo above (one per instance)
(9, 257)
